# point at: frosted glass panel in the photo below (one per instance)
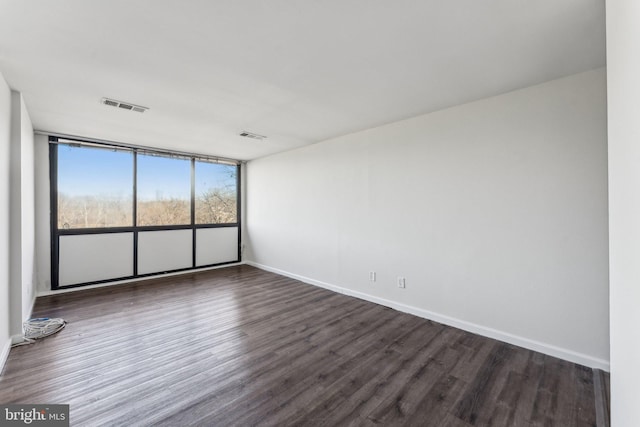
(160, 251)
(216, 245)
(93, 257)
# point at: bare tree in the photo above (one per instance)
(216, 206)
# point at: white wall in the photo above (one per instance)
(5, 138)
(15, 217)
(27, 200)
(21, 204)
(495, 212)
(42, 213)
(623, 63)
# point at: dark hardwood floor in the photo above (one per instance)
(240, 346)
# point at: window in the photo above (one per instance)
(123, 212)
(95, 187)
(163, 191)
(216, 193)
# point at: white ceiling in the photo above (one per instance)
(297, 71)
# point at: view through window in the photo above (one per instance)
(95, 188)
(164, 190)
(216, 194)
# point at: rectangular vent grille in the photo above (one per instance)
(252, 135)
(124, 105)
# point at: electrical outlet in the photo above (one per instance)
(372, 276)
(401, 282)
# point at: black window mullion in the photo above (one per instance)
(135, 213)
(53, 206)
(193, 212)
(238, 212)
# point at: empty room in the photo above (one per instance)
(238, 213)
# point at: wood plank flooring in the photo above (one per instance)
(241, 347)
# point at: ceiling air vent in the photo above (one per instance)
(252, 135)
(124, 105)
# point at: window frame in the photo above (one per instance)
(56, 232)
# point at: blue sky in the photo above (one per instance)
(101, 172)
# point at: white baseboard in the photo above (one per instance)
(17, 338)
(6, 348)
(551, 350)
